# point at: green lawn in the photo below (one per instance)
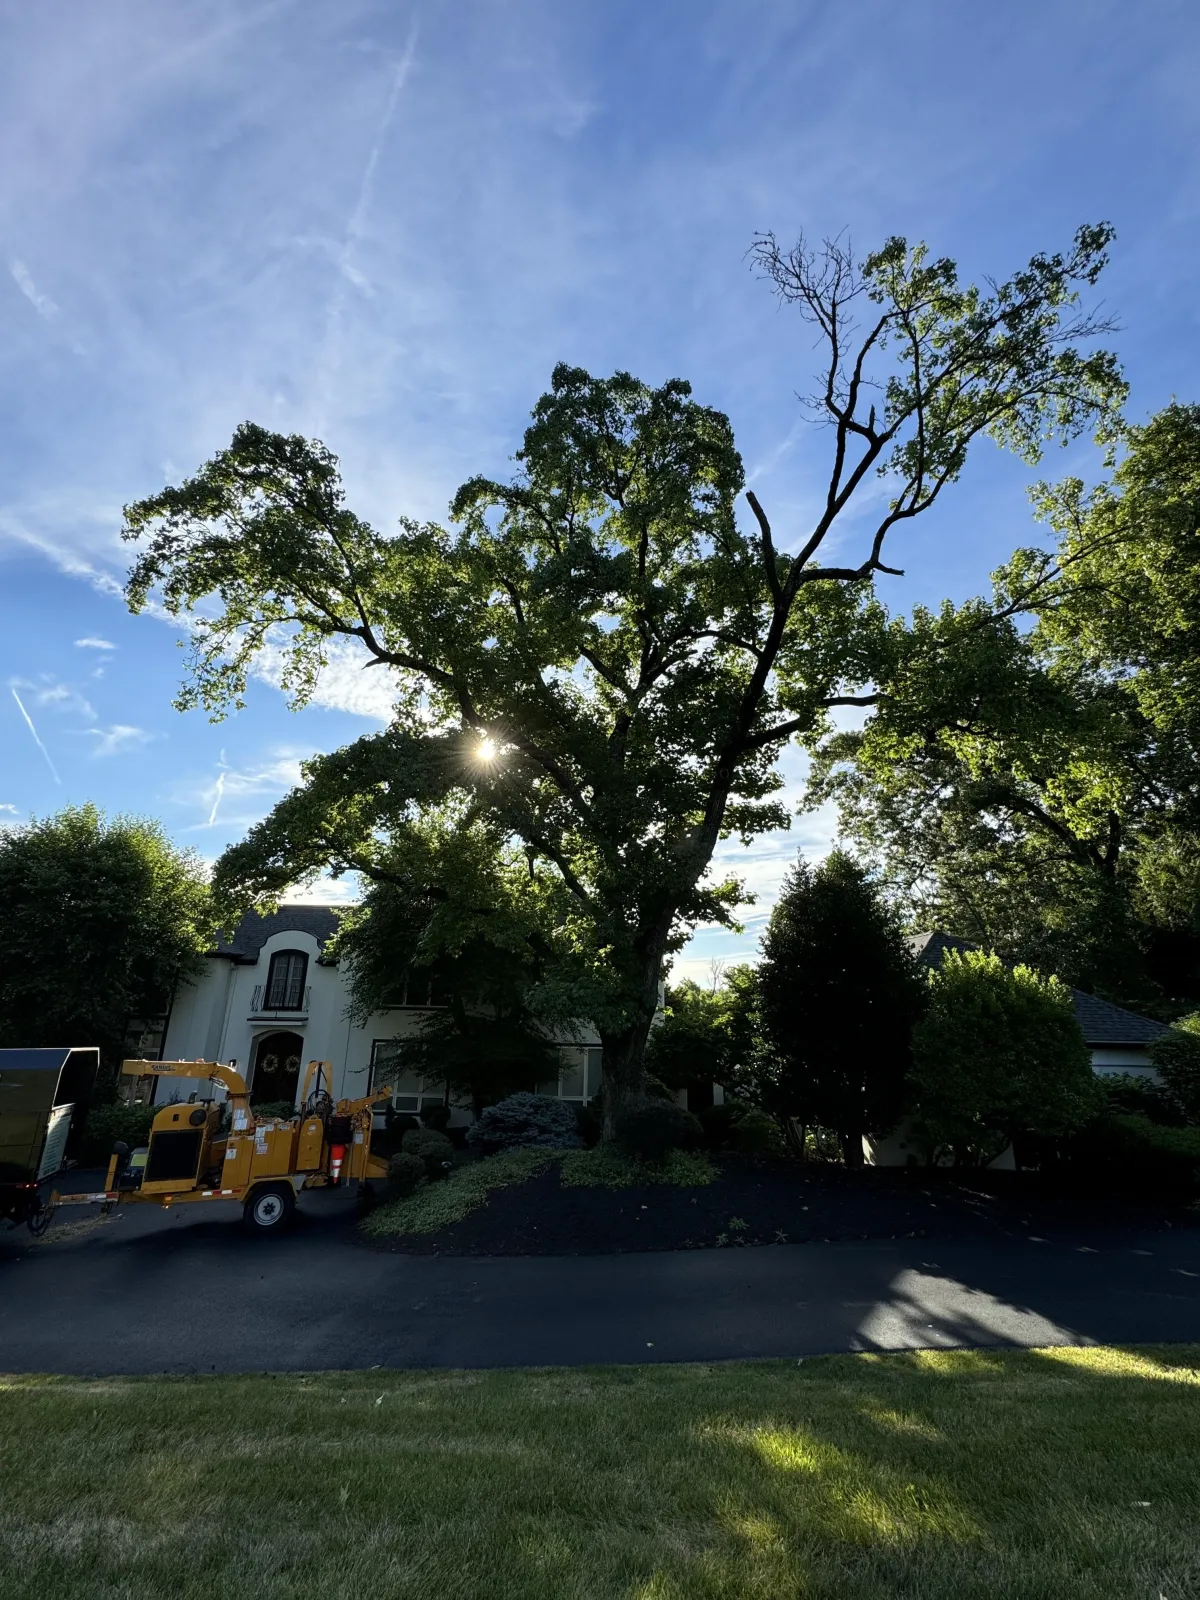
(1047, 1473)
(436, 1205)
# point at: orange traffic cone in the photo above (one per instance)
(337, 1154)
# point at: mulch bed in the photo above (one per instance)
(765, 1202)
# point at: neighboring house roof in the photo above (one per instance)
(253, 931)
(1102, 1023)
(929, 948)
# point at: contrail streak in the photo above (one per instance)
(36, 740)
(220, 791)
(330, 356)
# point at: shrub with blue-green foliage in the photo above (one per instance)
(524, 1122)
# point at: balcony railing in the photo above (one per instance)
(261, 1005)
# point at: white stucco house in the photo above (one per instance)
(270, 1000)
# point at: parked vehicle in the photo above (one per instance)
(44, 1097)
(217, 1148)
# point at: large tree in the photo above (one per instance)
(838, 995)
(101, 920)
(1038, 789)
(598, 656)
(461, 920)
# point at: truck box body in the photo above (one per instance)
(44, 1095)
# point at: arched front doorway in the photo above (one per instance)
(276, 1074)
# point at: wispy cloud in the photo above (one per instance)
(48, 694)
(349, 681)
(61, 556)
(119, 737)
(94, 644)
(36, 738)
(327, 891)
(347, 270)
(260, 783)
(41, 303)
(11, 810)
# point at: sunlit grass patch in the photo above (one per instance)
(436, 1205)
(1117, 1363)
(934, 1476)
(606, 1168)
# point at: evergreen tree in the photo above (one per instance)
(839, 993)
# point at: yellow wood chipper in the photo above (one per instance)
(218, 1149)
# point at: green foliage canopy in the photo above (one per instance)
(1039, 789)
(102, 920)
(706, 1033)
(633, 656)
(460, 911)
(997, 1054)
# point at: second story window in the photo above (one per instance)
(285, 981)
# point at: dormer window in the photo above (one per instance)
(285, 981)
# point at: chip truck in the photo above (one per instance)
(44, 1096)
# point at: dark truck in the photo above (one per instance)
(44, 1096)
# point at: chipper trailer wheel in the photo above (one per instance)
(270, 1208)
(39, 1217)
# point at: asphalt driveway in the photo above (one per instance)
(184, 1291)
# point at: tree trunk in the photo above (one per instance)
(623, 1052)
(852, 1149)
(623, 1074)
(795, 1136)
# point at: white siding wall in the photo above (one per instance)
(213, 1020)
(1132, 1059)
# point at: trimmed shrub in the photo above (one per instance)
(387, 1141)
(432, 1148)
(1177, 1058)
(1131, 1151)
(526, 1122)
(655, 1089)
(647, 1132)
(405, 1173)
(754, 1134)
(273, 1108)
(106, 1124)
(1127, 1093)
(998, 1054)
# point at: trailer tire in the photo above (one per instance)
(269, 1209)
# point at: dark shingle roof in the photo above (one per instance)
(1101, 1022)
(253, 931)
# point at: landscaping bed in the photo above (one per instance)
(748, 1202)
(942, 1475)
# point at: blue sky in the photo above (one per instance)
(384, 223)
